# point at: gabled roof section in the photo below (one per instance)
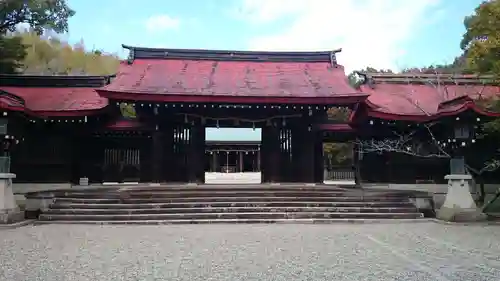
(175, 75)
(421, 97)
(56, 95)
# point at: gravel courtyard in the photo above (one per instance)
(418, 251)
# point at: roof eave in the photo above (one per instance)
(345, 99)
(426, 118)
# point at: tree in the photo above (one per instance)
(355, 81)
(11, 53)
(39, 15)
(52, 56)
(458, 66)
(481, 40)
(481, 44)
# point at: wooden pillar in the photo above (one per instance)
(304, 154)
(297, 147)
(196, 153)
(319, 164)
(145, 146)
(214, 161)
(270, 153)
(157, 147)
(308, 156)
(77, 158)
(356, 164)
(259, 169)
(262, 157)
(241, 162)
(167, 152)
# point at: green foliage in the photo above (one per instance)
(340, 114)
(491, 128)
(481, 40)
(458, 66)
(481, 44)
(12, 53)
(52, 56)
(338, 153)
(38, 14)
(354, 80)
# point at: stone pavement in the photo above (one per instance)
(232, 178)
(423, 251)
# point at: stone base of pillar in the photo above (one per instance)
(459, 206)
(9, 211)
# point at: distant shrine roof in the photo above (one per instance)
(421, 97)
(181, 75)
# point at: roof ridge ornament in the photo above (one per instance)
(366, 79)
(333, 59)
(131, 56)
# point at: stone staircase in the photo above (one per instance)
(227, 204)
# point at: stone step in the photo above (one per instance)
(228, 204)
(235, 198)
(231, 210)
(258, 190)
(241, 187)
(235, 221)
(228, 193)
(252, 215)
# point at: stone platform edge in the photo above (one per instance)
(17, 224)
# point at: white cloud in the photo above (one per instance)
(160, 23)
(370, 32)
(263, 11)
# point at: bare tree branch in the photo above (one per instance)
(404, 144)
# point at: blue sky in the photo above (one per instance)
(379, 33)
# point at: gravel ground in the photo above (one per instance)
(419, 251)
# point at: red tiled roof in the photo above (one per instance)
(418, 101)
(125, 124)
(184, 80)
(59, 100)
(12, 102)
(336, 127)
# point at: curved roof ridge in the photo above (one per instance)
(232, 55)
(70, 81)
(426, 78)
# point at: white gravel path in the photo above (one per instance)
(423, 251)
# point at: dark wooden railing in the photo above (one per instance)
(340, 173)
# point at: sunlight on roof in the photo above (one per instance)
(232, 134)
